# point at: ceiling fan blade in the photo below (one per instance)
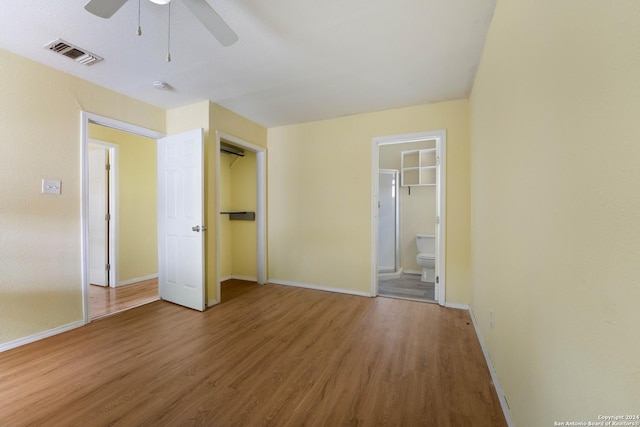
(104, 8)
(212, 21)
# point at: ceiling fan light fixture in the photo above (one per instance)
(160, 1)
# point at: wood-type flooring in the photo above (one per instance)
(267, 355)
(105, 300)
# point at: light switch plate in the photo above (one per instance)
(51, 186)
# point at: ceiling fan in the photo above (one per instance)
(199, 8)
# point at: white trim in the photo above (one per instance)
(441, 212)
(138, 279)
(225, 278)
(318, 287)
(119, 125)
(375, 197)
(441, 137)
(85, 119)
(213, 302)
(261, 209)
(261, 224)
(408, 137)
(415, 272)
(40, 335)
(492, 372)
(457, 306)
(114, 196)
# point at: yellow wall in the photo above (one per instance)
(137, 202)
(319, 186)
(212, 117)
(225, 206)
(556, 207)
(40, 274)
(243, 233)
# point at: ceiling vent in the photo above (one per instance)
(81, 56)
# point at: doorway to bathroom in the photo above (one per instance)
(408, 241)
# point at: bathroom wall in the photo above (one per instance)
(137, 202)
(417, 210)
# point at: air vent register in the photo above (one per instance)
(79, 55)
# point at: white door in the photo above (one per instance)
(181, 219)
(387, 210)
(98, 211)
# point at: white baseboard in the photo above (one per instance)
(492, 371)
(318, 287)
(225, 278)
(137, 279)
(41, 335)
(457, 306)
(213, 302)
(417, 272)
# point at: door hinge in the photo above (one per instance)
(437, 279)
(108, 267)
(437, 161)
(107, 217)
(107, 166)
(437, 220)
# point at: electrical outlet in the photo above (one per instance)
(491, 318)
(51, 186)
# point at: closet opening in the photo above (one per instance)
(241, 225)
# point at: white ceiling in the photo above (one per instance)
(295, 61)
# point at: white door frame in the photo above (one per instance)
(261, 211)
(441, 194)
(114, 183)
(85, 119)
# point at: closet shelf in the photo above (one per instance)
(419, 167)
(240, 215)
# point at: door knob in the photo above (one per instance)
(196, 228)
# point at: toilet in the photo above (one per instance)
(427, 256)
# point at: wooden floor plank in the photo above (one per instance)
(106, 300)
(267, 355)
